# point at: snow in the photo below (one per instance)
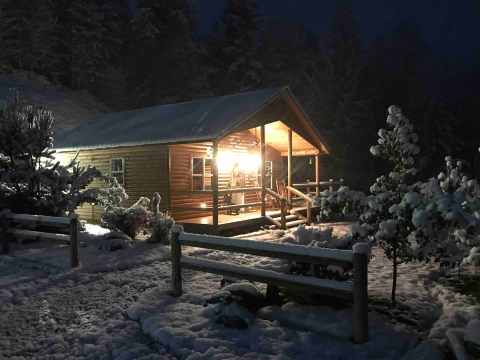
(117, 306)
(96, 230)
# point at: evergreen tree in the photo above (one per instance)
(87, 37)
(162, 64)
(342, 102)
(26, 35)
(234, 48)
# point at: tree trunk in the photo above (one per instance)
(394, 277)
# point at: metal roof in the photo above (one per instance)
(197, 120)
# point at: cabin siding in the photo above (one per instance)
(145, 172)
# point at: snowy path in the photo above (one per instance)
(81, 315)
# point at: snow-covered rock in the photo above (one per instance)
(472, 337)
(114, 240)
(243, 293)
(232, 315)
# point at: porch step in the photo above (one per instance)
(295, 223)
(288, 217)
(292, 220)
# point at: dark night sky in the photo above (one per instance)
(449, 27)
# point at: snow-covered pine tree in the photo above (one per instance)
(234, 48)
(30, 181)
(398, 146)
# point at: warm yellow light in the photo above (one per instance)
(225, 161)
(249, 163)
(203, 205)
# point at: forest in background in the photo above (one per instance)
(153, 55)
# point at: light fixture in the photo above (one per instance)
(209, 152)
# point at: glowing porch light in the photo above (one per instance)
(203, 205)
(248, 163)
(225, 161)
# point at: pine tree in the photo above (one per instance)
(163, 57)
(87, 37)
(342, 100)
(235, 48)
(16, 34)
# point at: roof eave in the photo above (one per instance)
(137, 143)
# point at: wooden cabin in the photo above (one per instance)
(217, 162)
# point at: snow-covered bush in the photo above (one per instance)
(128, 220)
(112, 195)
(30, 180)
(161, 225)
(446, 214)
(341, 203)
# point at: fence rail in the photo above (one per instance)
(15, 222)
(357, 258)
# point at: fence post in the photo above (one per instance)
(4, 230)
(330, 188)
(74, 260)
(360, 292)
(176, 252)
(309, 212)
(283, 216)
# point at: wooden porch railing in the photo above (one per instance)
(317, 185)
(283, 209)
(308, 202)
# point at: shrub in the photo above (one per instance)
(112, 195)
(127, 220)
(342, 203)
(161, 225)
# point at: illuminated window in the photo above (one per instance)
(201, 173)
(117, 170)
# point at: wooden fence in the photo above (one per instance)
(17, 221)
(355, 290)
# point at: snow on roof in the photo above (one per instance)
(197, 120)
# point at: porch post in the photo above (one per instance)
(215, 185)
(289, 162)
(262, 167)
(317, 173)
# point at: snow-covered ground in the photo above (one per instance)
(117, 306)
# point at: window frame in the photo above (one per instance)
(116, 172)
(204, 175)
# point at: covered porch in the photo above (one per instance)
(245, 179)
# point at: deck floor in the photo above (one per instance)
(225, 218)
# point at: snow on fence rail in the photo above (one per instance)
(355, 290)
(14, 222)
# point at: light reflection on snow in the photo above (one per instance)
(93, 229)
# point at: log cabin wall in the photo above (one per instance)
(181, 172)
(145, 172)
